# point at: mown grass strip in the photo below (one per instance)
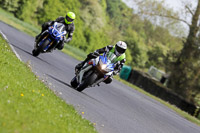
(74, 52)
(9, 18)
(27, 105)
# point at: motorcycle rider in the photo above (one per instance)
(69, 27)
(118, 49)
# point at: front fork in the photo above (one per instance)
(40, 38)
(38, 43)
(81, 73)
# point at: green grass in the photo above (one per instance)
(27, 105)
(9, 18)
(74, 52)
(80, 55)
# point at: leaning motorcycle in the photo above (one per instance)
(49, 39)
(94, 71)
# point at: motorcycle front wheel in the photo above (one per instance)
(35, 52)
(74, 82)
(88, 81)
(41, 48)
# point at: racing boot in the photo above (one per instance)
(37, 37)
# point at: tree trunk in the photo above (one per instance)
(183, 71)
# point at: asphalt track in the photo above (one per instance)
(115, 108)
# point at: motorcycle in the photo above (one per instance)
(49, 39)
(94, 71)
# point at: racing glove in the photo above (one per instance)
(66, 40)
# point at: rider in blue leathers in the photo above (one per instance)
(69, 27)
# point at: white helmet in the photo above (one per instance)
(120, 48)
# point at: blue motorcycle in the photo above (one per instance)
(94, 71)
(50, 38)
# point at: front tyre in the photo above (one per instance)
(43, 46)
(35, 52)
(88, 81)
(74, 82)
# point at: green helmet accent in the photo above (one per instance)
(70, 17)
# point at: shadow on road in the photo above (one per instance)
(21, 49)
(93, 98)
(35, 57)
(60, 81)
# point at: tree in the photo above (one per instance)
(185, 72)
(160, 14)
(185, 69)
(10, 5)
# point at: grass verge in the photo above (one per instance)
(27, 105)
(80, 55)
(74, 52)
(9, 18)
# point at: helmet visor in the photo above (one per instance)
(120, 50)
(69, 19)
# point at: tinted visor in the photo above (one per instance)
(69, 19)
(120, 50)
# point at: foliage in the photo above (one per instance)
(139, 50)
(101, 23)
(157, 55)
(10, 5)
(185, 71)
(10, 19)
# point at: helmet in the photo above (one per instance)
(120, 48)
(70, 17)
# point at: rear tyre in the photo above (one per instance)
(74, 82)
(88, 81)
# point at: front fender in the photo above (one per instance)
(82, 72)
(109, 73)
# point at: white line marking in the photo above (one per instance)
(4, 36)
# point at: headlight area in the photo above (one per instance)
(103, 66)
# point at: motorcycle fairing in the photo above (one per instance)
(57, 31)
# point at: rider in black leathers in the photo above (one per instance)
(119, 50)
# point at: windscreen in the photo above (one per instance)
(111, 56)
(60, 27)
